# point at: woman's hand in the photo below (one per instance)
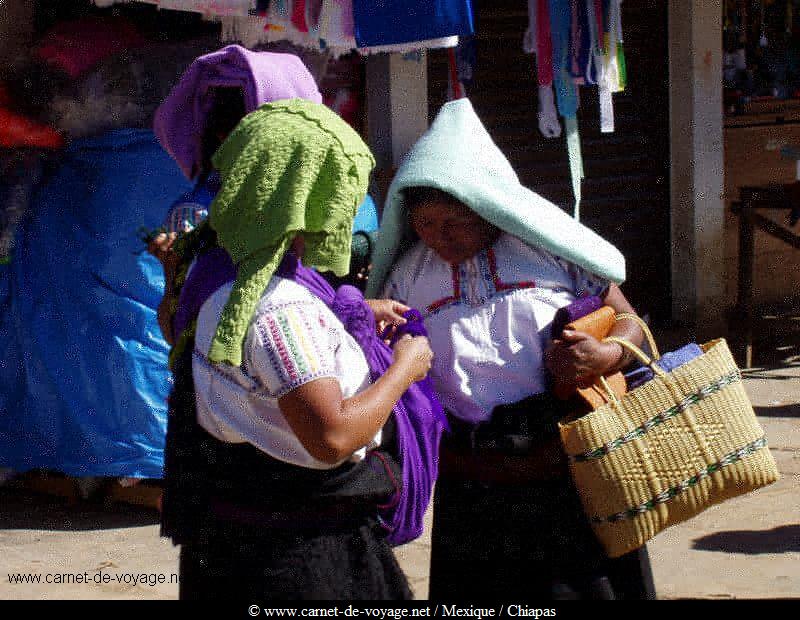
(162, 248)
(579, 358)
(387, 312)
(414, 354)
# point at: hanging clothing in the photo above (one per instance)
(405, 21)
(337, 30)
(409, 48)
(208, 7)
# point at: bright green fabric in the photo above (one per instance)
(289, 167)
(457, 155)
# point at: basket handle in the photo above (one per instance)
(645, 328)
(609, 395)
(641, 355)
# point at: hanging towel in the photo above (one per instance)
(458, 156)
(391, 22)
(236, 8)
(263, 77)
(336, 29)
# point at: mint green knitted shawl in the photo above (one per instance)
(290, 167)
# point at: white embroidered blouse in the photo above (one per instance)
(488, 319)
(293, 338)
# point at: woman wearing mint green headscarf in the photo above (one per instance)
(489, 263)
(293, 456)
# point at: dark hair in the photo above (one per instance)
(415, 196)
(226, 111)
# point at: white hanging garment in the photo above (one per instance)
(549, 125)
(407, 48)
(336, 28)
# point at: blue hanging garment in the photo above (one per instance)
(391, 22)
(83, 366)
(560, 28)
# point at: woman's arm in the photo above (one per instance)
(162, 248)
(580, 358)
(331, 427)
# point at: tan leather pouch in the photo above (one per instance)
(597, 324)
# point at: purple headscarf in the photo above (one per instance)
(262, 76)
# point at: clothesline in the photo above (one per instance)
(333, 26)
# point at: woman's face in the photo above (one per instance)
(451, 229)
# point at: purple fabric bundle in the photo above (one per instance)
(668, 362)
(574, 311)
(263, 77)
(419, 416)
(211, 270)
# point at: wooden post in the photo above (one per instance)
(744, 293)
(397, 109)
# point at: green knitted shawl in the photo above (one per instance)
(290, 167)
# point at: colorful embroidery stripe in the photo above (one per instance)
(687, 402)
(299, 324)
(285, 366)
(292, 343)
(672, 492)
(293, 353)
(487, 262)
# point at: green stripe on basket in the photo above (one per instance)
(656, 420)
(672, 492)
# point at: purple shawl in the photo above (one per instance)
(263, 77)
(418, 415)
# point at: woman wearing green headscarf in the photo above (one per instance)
(292, 440)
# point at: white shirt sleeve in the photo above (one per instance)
(584, 282)
(291, 345)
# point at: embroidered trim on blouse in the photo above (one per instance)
(294, 356)
(490, 278)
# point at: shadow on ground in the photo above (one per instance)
(779, 411)
(783, 539)
(23, 510)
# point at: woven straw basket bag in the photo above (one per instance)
(669, 449)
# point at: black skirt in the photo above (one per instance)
(518, 536)
(238, 563)
(527, 542)
(251, 527)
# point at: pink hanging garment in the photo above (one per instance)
(299, 15)
(544, 44)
